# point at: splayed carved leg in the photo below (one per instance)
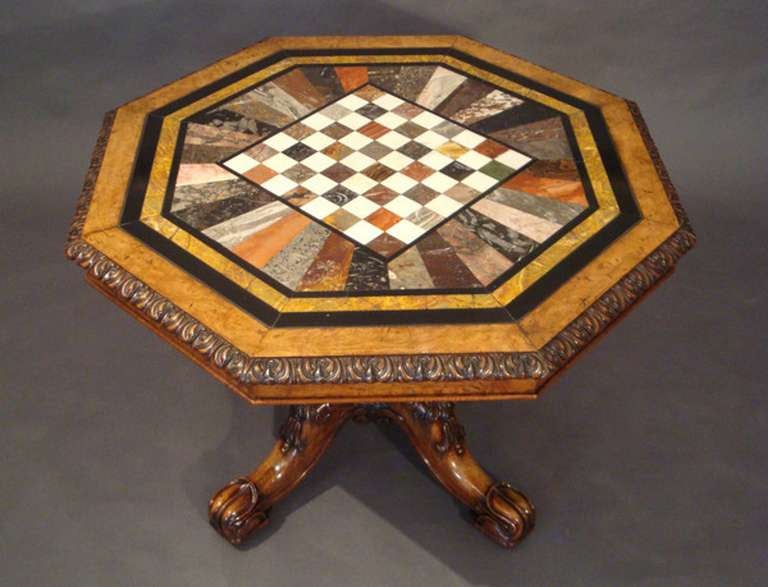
(242, 506)
(502, 513)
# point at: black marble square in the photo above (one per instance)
(371, 111)
(414, 150)
(299, 151)
(339, 195)
(411, 130)
(456, 170)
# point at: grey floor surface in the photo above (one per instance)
(647, 461)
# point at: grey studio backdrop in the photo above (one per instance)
(647, 461)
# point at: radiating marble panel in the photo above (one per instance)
(234, 230)
(385, 76)
(439, 87)
(209, 214)
(296, 84)
(280, 100)
(508, 242)
(520, 114)
(489, 105)
(544, 139)
(406, 81)
(259, 248)
(330, 268)
(206, 193)
(196, 173)
(367, 272)
(538, 229)
(352, 77)
(325, 81)
(484, 261)
(244, 117)
(407, 271)
(292, 262)
(208, 144)
(445, 268)
(555, 179)
(547, 208)
(467, 93)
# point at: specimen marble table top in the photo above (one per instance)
(350, 219)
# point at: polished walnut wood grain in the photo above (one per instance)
(242, 506)
(502, 513)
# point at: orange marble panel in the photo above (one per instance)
(259, 248)
(551, 179)
(351, 77)
(296, 84)
(383, 218)
(330, 268)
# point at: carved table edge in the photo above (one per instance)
(233, 364)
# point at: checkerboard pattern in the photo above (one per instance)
(376, 168)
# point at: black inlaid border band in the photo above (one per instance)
(548, 283)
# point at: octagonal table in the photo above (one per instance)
(375, 228)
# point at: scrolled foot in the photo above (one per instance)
(241, 507)
(235, 511)
(505, 515)
(500, 512)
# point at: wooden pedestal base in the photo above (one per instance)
(502, 513)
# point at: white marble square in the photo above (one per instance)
(241, 163)
(317, 121)
(439, 182)
(396, 160)
(469, 139)
(431, 139)
(354, 120)
(406, 231)
(318, 162)
(513, 159)
(435, 160)
(388, 101)
(352, 102)
(444, 205)
(361, 207)
(280, 162)
(279, 185)
(318, 141)
(427, 119)
(319, 184)
(473, 159)
(393, 140)
(399, 183)
(359, 183)
(320, 208)
(363, 232)
(402, 206)
(390, 120)
(479, 181)
(357, 161)
(355, 140)
(280, 141)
